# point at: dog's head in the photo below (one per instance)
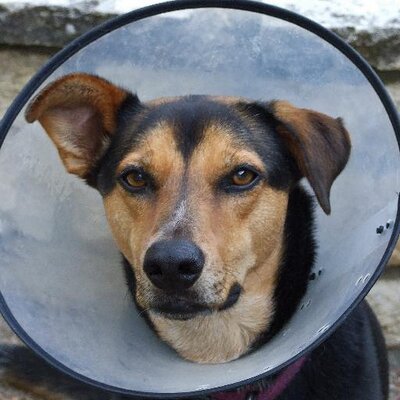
(195, 190)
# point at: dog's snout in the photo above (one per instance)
(173, 265)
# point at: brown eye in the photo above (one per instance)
(243, 177)
(134, 180)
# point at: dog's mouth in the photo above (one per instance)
(233, 297)
(180, 308)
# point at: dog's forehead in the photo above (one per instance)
(180, 124)
(160, 152)
(189, 118)
(166, 130)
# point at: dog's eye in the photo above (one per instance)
(134, 180)
(243, 177)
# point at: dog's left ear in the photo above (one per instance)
(319, 144)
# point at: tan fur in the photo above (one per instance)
(76, 89)
(300, 120)
(229, 229)
(232, 232)
(78, 113)
(136, 222)
(240, 236)
(319, 144)
(226, 335)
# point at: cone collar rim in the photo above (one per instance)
(153, 10)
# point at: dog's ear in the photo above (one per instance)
(79, 113)
(319, 144)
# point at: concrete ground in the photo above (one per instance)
(18, 65)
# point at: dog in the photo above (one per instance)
(203, 197)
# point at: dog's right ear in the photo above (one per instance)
(79, 113)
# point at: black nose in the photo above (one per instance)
(173, 265)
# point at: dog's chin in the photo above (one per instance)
(182, 310)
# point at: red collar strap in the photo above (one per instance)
(272, 392)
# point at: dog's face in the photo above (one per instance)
(195, 191)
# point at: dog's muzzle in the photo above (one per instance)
(173, 267)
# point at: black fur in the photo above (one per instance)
(294, 270)
(347, 365)
(297, 261)
(131, 283)
(131, 106)
(190, 115)
(350, 365)
(263, 139)
(23, 369)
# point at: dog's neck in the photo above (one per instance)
(259, 314)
